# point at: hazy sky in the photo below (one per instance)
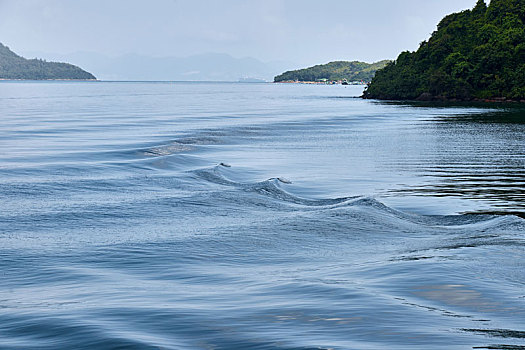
(301, 31)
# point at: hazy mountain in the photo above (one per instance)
(203, 67)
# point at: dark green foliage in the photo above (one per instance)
(479, 53)
(334, 71)
(13, 66)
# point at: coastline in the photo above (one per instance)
(318, 82)
(449, 100)
(6, 79)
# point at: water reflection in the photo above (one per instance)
(478, 156)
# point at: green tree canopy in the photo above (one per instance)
(478, 53)
(334, 71)
(13, 66)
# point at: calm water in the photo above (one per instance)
(257, 216)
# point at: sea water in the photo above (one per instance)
(257, 216)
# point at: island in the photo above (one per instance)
(14, 67)
(345, 72)
(474, 55)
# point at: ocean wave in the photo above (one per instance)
(272, 187)
(281, 190)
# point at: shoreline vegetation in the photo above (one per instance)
(337, 72)
(14, 67)
(331, 82)
(87, 80)
(476, 55)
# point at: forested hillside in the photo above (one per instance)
(334, 71)
(474, 54)
(13, 66)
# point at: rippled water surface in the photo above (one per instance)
(257, 216)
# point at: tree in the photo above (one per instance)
(477, 53)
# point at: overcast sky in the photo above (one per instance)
(302, 31)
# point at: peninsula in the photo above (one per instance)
(14, 67)
(476, 54)
(338, 71)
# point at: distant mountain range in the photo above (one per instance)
(334, 71)
(203, 67)
(13, 66)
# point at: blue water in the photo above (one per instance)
(257, 216)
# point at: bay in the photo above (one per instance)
(174, 215)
